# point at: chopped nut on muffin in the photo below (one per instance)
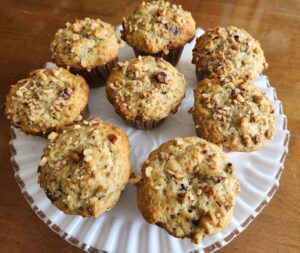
(229, 54)
(159, 28)
(84, 169)
(47, 100)
(238, 117)
(188, 187)
(89, 47)
(145, 90)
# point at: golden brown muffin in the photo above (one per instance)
(229, 53)
(84, 169)
(47, 100)
(145, 90)
(188, 187)
(159, 28)
(89, 47)
(238, 117)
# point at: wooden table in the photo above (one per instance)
(26, 29)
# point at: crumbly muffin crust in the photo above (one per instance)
(85, 44)
(84, 169)
(239, 117)
(228, 53)
(145, 88)
(158, 26)
(47, 100)
(188, 187)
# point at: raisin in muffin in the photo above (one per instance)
(89, 47)
(145, 90)
(188, 187)
(159, 28)
(228, 53)
(47, 100)
(84, 169)
(238, 117)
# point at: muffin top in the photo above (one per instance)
(85, 44)
(145, 88)
(239, 117)
(84, 169)
(228, 53)
(158, 26)
(188, 187)
(47, 100)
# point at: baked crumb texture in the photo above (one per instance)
(84, 169)
(145, 90)
(188, 187)
(47, 100)
(159, 28)
(237, 117)
(88, 47)
(229, 53)
(85, 44)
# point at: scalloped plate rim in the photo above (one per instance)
(211, 248)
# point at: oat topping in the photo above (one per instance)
(229, 53)
(235, 116)
(82, 171)
(85, 44)
(47, 100)
(146, 88)
(158, 26)
(188, 192)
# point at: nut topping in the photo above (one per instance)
(113, 138)
(52, 136)
(161, 77)
(43, 161)
(148, 171)
(66, 93)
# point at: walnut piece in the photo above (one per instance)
(148, 171)
(66, 93)
(113, 138)
(161, 77)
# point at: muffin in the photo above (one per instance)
(188, 187)
(159, 29)
(89, 47)
(84, 169)
(47, 100)
(238, 117)
(228, 53)
(145, 90)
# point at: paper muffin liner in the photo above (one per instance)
(147, 124)
(85, 113)
(201, 74)
(173, 56)
(97, 76)
(144, 125)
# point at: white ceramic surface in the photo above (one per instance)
(123, 229)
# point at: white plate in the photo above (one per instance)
(123, 229)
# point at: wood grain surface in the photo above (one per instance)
(26, 29)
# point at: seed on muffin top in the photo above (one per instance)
(158, 26)
(49, 99)
(188, 187)
(228, 53)
(85, 44)
(84, 169)
(239, 117)
(145, 88)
